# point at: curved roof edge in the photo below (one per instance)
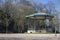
(39, 14)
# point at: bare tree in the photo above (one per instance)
(16, 13)
(50, 6)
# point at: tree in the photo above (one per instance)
(6, 13)
(56, 23)
(41, 6)
(14, 15)
(23, 10)
(50, 6)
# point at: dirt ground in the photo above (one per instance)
(29, 37)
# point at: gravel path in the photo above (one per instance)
(29, 37)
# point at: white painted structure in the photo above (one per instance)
(43, 16)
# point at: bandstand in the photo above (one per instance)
(39, 22)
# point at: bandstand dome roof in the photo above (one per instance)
(39, 14)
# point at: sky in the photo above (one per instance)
(45, 2)
(38, 1)
(57, 5)
(42, 1)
